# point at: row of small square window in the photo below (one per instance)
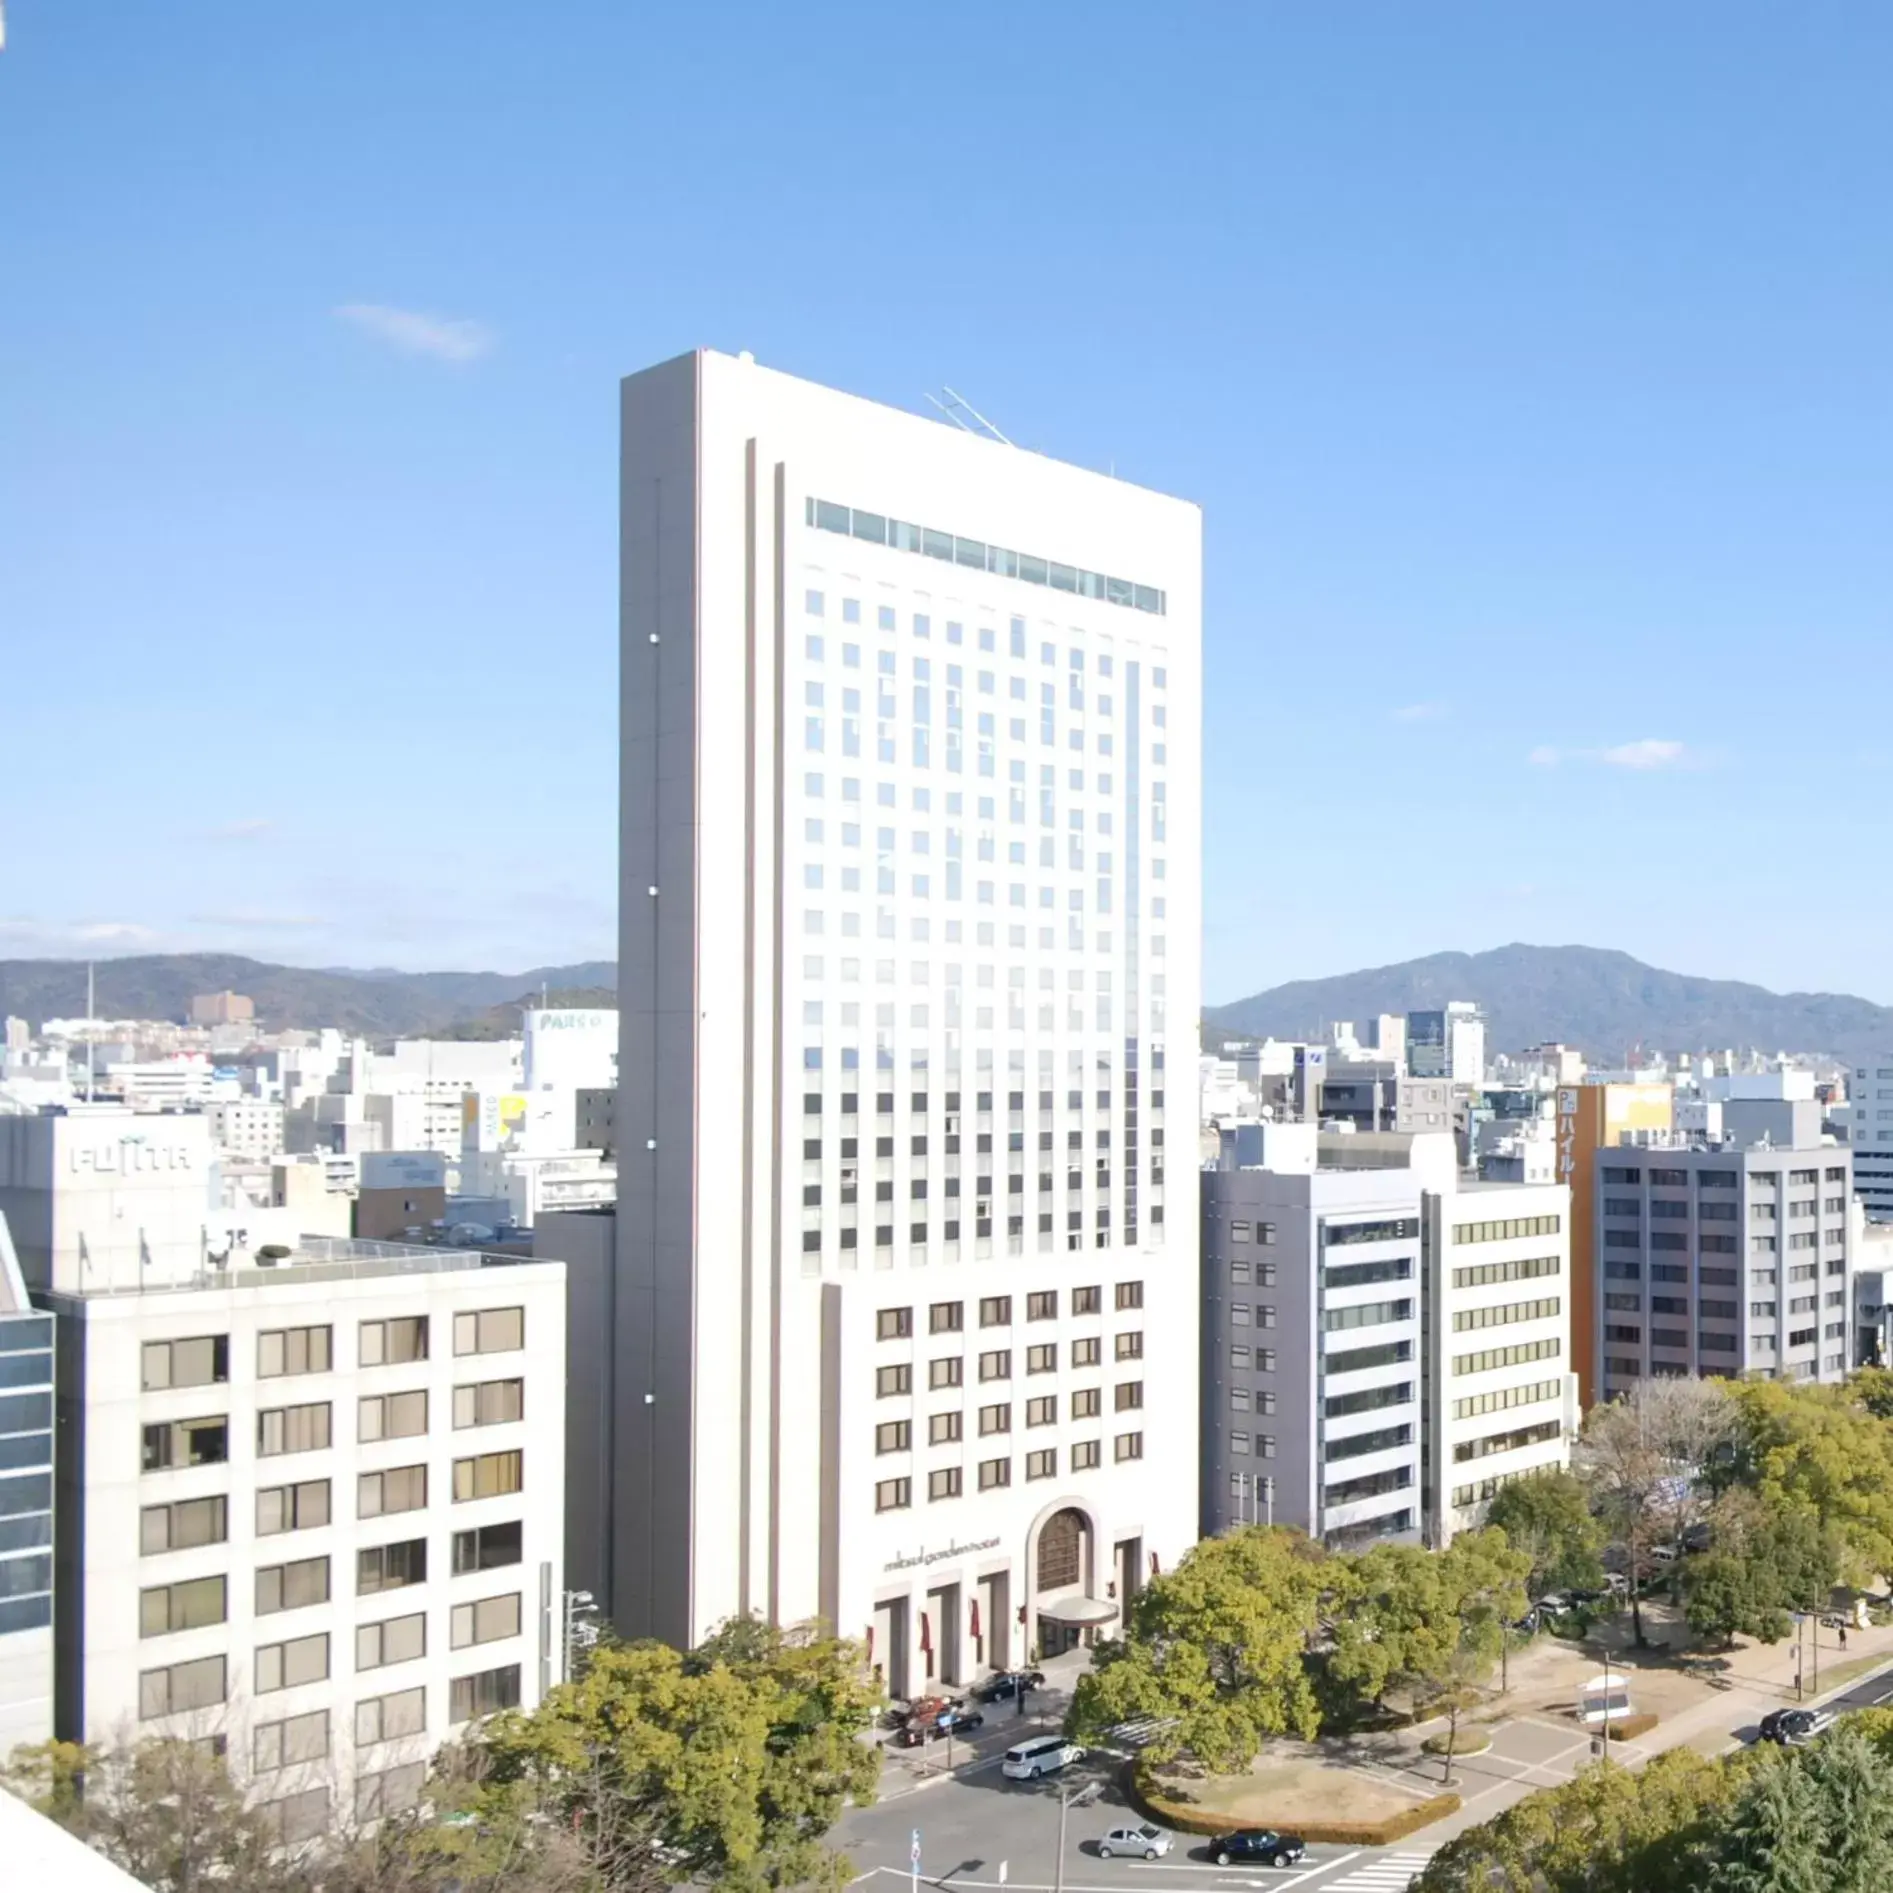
(920, 933)
(919, 1102)
(1722, 1179)
(204, 1683)
(205, 1441)
(815, 743)
(995, 1311)
(947, 1482)
(886, 794)
(953, 677)
(204, 1360)
(198, 1603)
(946, 1429)
(918, 1234)
(996, 1364)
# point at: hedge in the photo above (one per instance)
(1188, 1820)
(1628, 1728)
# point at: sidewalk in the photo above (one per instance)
(1702, 1699)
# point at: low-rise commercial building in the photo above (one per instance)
(313, 1511)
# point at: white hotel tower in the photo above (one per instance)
(908, 963)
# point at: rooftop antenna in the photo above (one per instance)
(91, 1038)
(957, 408)
(948, 412)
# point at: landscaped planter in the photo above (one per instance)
(1471, 1742)
(1187, 1820)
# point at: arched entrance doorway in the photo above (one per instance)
(1066, 1607)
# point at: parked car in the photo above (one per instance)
(1043, 1755)
(1666, 1554)
(1616, 1583)
(1150, 1842)
(950, 1718)
(1552, 1604)
(1257, 1843)
(1006, 1684)
(1792, 1727)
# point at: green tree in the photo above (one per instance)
(1548, 1515)
(1872, 1388)
(1730, 1595)
(1216, 1650)
(1815, 1820)
(1392, 1622)
(1608, 1830)
(1818, 1449)
(1426, 1625)
(728, 1764)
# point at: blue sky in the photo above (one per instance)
(1533, 365)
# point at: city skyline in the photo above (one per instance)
(1469, 392)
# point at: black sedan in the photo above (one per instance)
(1792, 1727)
(1008, 1683)
(1257, 1843)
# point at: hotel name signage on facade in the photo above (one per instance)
(953, 1550)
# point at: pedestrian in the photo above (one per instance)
(1024, 1691)
(1843, 1633)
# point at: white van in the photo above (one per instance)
(1044, 1755)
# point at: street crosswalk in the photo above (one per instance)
(1387, 1873)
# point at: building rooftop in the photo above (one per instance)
(326, 1259)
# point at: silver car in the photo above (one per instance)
(1144, 1840)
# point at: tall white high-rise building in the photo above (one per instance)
(906, 1311)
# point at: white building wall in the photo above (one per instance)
(1484, 1400)
(102, 1699)
(107, 1197)
(867, 919)
(247, 1127)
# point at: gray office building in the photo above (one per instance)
(1377, 1094)
(1311, 1351)
(1723, 1259)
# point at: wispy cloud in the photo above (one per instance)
(1646, 753)
(453, 339)
(112, 933)
(244, 829)
(1419, 712)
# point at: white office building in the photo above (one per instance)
(246, 1128)
(1498, 1343)
(314, 1509)
(909, 944)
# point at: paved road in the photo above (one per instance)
(975, 1825)
(980, 1833)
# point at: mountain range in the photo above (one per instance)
(162, 985)
(1604, 1002)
